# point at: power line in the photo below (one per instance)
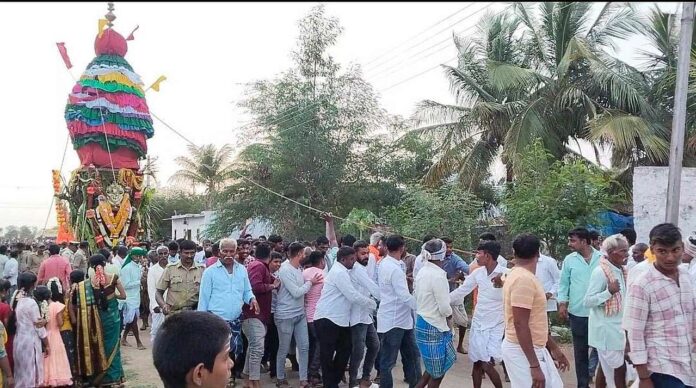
(431, 36)
(417, 75)
(288, 116)
(251, 181)
(416, 35)
(447, 39)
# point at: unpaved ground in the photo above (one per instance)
(140, 372)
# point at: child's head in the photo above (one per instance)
(77, 276)
(192, 350)
(42, 293)
(4, 288)
(56, 290)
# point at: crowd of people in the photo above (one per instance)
(344, 310)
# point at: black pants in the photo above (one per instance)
(335, 346)
(271, 346)
(581, 350)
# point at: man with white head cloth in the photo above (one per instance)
(688, 262)
(433, 335)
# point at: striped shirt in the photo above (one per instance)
(659, 319)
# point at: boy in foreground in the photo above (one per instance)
(192, 350)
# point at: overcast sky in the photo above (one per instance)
(205, 50)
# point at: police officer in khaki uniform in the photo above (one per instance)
(35, 259)
(181, 280)
(79, 260)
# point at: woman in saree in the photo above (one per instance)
(98, 327)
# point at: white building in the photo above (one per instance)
(650, 200)
(192, 226)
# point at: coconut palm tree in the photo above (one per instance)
(662, 31)
(541, 73)
(205, 166)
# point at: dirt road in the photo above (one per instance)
(140, 372)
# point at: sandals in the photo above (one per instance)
(283, 383)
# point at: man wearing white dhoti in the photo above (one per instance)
(528, 350)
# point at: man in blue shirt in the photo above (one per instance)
(575, 279)
(225, 288)
(456, 269)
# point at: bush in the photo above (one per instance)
(549, 197)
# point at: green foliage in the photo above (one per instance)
(315, 119)
(549, 197)
(542, 73)
(359, 222)
(448, 211)
(23, 233)
(205, 166)
(164, 204)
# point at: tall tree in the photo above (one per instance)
(12, 232)
(543, 74)
(205, 166)
(314, 119)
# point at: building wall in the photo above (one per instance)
(195, 224)
(650, 200)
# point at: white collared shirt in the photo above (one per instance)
(338, 296)
(549, 275)
(154, 273)
(365, 286)
(489, 303)
(502, 262)
(396, 303)
(432, 295)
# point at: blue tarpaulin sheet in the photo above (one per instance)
(612, 223)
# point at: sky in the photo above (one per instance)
(206, 51)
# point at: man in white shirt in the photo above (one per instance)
(488, 236)
(688, 262)
(549, 275)
(3, 257)
(363, 331)
(332, 317)
(433, 334)
(487, 325)
(199, 257)
(11, 271)
(395, 317)
(154, 273)
(636, 255)
(120, 257)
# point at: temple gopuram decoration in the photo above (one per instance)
(109, 124)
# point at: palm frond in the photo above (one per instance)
(464, 87)
(429, 112)
(506, 76)
(537, 42)
(477, 163)
(525, 128)
(615, 21)
(627, 132)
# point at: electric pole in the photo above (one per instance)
(676, 153)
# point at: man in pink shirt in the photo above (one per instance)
(313, 265)
(55, 266)
(215, 249)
